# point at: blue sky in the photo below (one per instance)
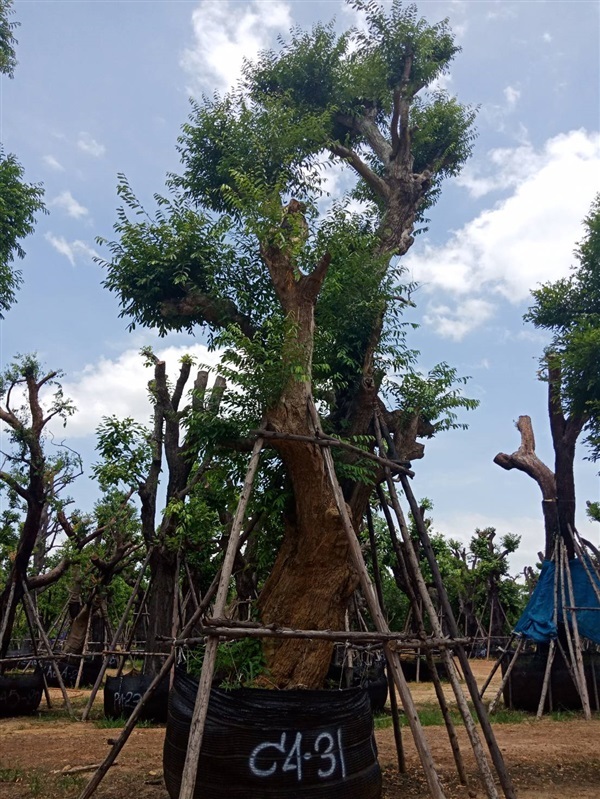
(103, 87)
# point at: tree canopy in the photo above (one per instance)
(19, 201)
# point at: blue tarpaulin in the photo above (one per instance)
(537, 619)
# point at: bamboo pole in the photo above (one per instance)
(33, 611)
(190, 769)
(116, 636)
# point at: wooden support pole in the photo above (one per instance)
(583, 558)
(226, 628)
(469, 678)
(495, 667)
(506, 677)
(131, 635)
(552, 647)
(85, 644)
(391, 687)
(370, 596)
(321, 440)
(424, 596)
(35, 652)
(416, 609)
(190, 769)
(546, 682)
(11, 595)
(31, 607)
(585, 700)
(116, 636)
(132, 720)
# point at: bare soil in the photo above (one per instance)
(547, 759)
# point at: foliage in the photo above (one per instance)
(197, 260)
(19, 203)
(8, 58)
(238, 663)
(570, 309)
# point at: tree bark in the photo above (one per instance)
(526, 460)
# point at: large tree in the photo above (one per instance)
(306, 302)
(570, 309)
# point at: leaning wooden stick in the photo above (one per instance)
(190, 769)
(552, 647)
(585, 700)
(32, 610)
(390, 679)
(506, 677)
(496, 666)
(416, 609)
(116, 637)
(425, 756)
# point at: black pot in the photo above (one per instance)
(371, 679)
(524, 687)
(122, 694)
(69, 668)
(409, 669)
(20, 694)
(261, 744)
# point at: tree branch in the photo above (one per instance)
(378, 185)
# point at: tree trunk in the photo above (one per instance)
(526, 460)
(163, 578)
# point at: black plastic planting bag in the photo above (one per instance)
(262, 744)
(69, 668)
(122, 694)
(20, 694)
(524, 687)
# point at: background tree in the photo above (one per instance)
(19, 201)
(306, 305)
(570, 309)
(34, 480)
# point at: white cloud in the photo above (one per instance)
(511, 96)
(456, 322)
(89, 145)
(73, 251)
(523, 240)
(66, 200)
(120, 386)
(547, 37)
(225, 33)
(53, 163)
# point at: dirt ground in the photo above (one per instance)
(549, 759)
